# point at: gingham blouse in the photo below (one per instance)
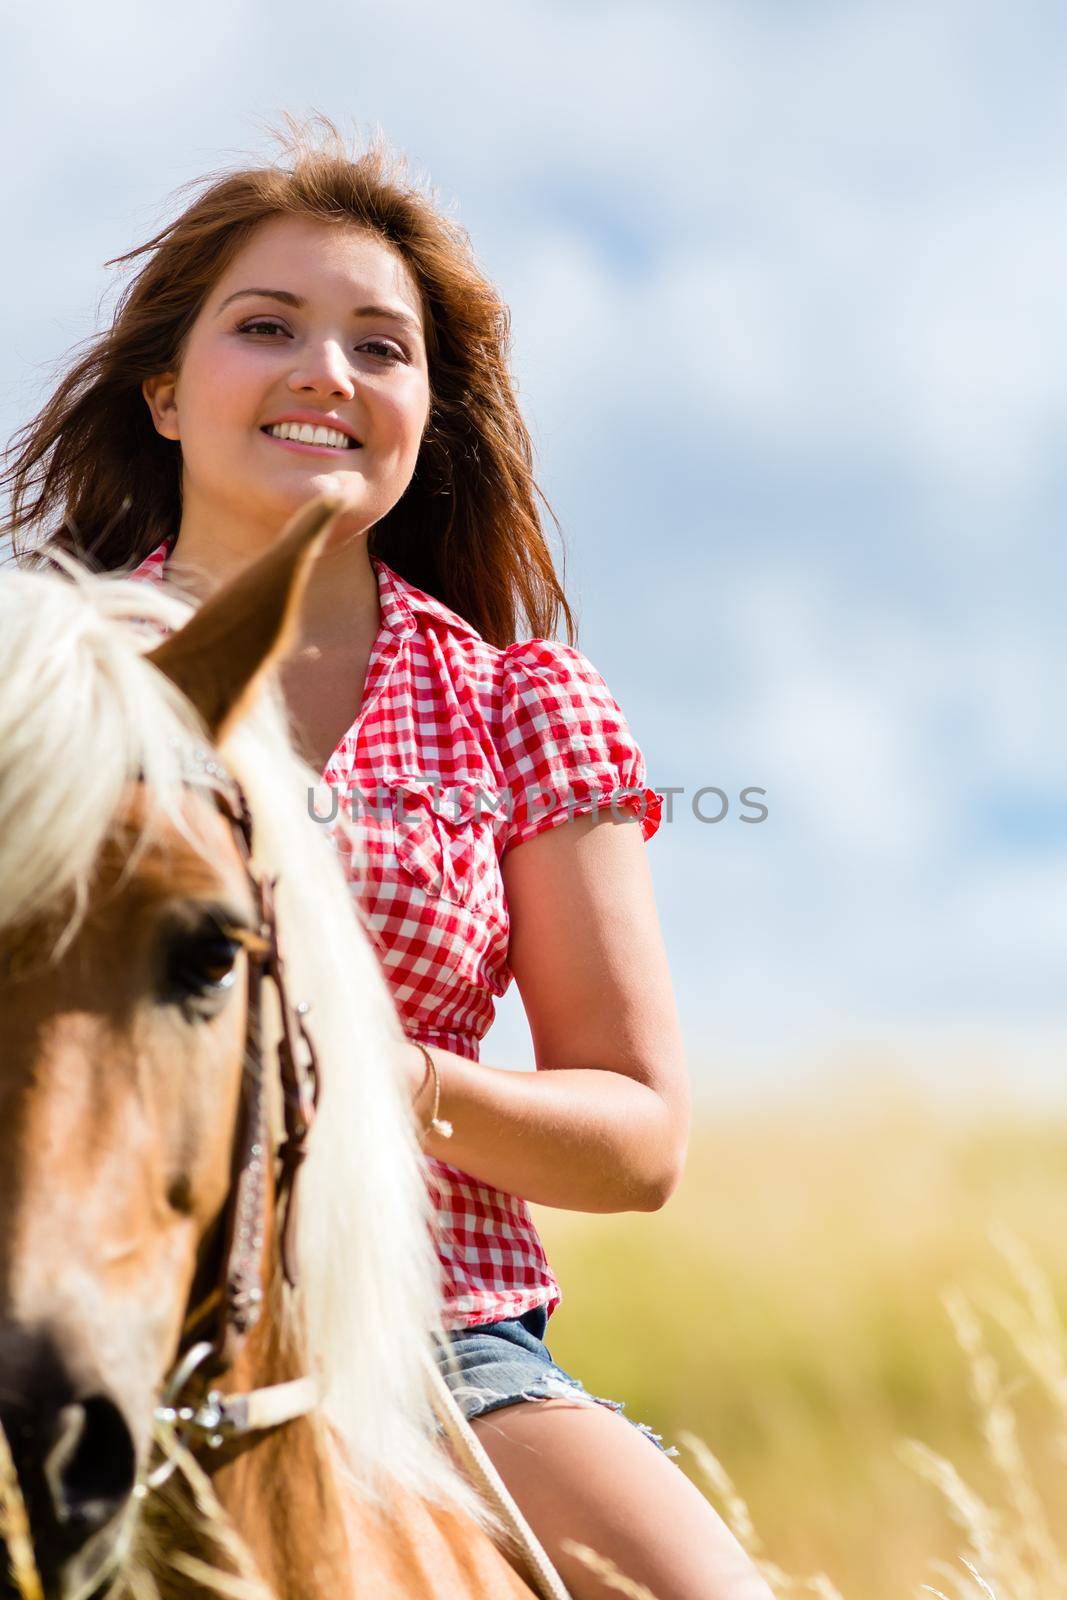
(452, 735)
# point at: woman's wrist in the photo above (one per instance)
(425, 1077)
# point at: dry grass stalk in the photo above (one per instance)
(978, 1590)
(969, 1588)
(1036, 1568)
(735, 1507)
(159, 1568)
(216, 1582)
(981, 1524)
(739, 1520)
(245, 1583)
(984, 1588)
(821, 1586)
(15, 1528)
(1032, 1322)
(1013, 1549)
(134, 1584)
(607, 1571)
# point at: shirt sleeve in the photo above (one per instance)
(566, 747)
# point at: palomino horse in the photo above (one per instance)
(156, 1097)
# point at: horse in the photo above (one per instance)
(208, 1169)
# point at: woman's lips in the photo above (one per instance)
(312, 449)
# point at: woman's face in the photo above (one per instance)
(314, 323)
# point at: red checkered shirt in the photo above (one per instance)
(461, 751)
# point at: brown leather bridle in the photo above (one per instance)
(241, 1288)
(234, 1304)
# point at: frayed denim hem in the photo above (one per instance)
(477, 1400)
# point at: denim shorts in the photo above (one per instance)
(500, 1363)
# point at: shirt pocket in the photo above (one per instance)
(445, 838)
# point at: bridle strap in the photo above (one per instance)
(242, 1287)
(235, 1303)
(242, 1251)
(299, 1070)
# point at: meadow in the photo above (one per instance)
(802, 1304)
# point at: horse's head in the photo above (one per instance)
(127, 917)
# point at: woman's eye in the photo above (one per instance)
(382, 348)
(260, 322)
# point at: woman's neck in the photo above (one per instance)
(340, 605)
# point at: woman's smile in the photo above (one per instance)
(315, 447)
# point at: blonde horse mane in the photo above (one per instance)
(80, 711)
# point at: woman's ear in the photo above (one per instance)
(161, 395)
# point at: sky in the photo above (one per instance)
(789, 294)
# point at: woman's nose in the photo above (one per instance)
(324, 370)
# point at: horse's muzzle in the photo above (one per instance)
(75, 1459)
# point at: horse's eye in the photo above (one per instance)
(201, 966)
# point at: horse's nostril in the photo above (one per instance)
(90, 1467)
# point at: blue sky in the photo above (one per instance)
(789, 291)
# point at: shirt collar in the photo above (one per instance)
(400, 602)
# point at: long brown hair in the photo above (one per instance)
(467, 529)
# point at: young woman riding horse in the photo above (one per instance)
(318, 327)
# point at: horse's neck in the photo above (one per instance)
(418, 1551)
(309, 1535)
(287, 1509)
(281, 1491)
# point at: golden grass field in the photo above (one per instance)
(788, 1308)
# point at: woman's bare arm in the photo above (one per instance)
(603, 1124)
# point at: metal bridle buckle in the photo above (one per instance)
(208, 1419)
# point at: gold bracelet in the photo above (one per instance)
(436, 1124)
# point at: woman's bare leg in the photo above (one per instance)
(582, 1472)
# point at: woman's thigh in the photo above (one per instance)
(582, 1473)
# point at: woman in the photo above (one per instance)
(319, 327)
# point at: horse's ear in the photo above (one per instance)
(248, 625)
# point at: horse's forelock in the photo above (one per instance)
(81, 713)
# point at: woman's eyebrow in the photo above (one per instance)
(287, 298)
(284, 295)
